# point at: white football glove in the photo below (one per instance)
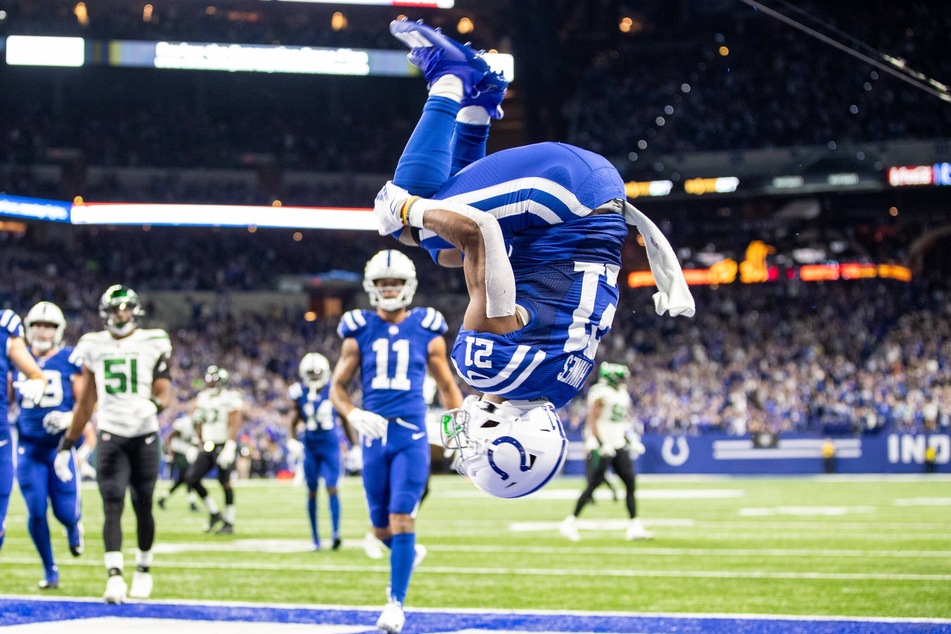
(607, 451)
(57, 421)
(61, 463)
(637, 448)
(228, 454)
(369, 425)
(353, 461)
(591, 444)
(388, 207)
(31, 389)
(295, 448)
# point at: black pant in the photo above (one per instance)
(597, 466)
(204, 463)
(131, 463)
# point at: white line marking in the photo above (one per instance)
(541, 572)
(98, 625)
(806, 511)
(924, 502)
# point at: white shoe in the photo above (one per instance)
(637, 531)
(141, 585)
(419, 556)
(372, 546)
(392, 618)
(569, 529)
(115, 590)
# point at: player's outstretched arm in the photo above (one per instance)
(34, 386)
(489, 277)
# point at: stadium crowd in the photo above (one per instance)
(839, 358)
(665, 87)
(835, 358)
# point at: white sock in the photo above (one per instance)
(230, 512)
(475, 115)
(143, 558)
(211, 504)
(113, 559)
(448, 86)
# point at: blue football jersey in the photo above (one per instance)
(531, 186)
(566, 262)
(59, 371)
(394, 359)
(10, 326)
(566, 276)
(317, 412)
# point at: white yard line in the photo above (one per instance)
(529, 572)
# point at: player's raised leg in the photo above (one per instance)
(452, 70)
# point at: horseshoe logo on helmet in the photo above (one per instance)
(524, 464)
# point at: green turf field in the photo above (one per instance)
(862, 546)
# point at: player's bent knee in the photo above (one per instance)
(402, 523)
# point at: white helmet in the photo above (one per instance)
(45, 313)
(314, 370)
(507, 451)
(386, 265)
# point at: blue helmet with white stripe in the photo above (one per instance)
(390, 265)
(507, 450)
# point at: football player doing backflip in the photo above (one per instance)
(538, 231)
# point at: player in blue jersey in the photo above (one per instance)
(13, 355)
(321, 440)
(392, 347)
(540, 228)
(39, 428)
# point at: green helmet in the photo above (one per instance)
(613, 373)
(118, 297)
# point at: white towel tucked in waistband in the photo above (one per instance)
(673, 294)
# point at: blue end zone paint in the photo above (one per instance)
(15, 611)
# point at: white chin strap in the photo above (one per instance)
(499, 278)
(43, 346)
(390, 303)
(123, 330)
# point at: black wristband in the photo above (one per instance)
(65, 444)
(158, 405)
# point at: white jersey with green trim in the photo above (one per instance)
(213, 407)
(185, 427)
(614, 423)
(125, 370)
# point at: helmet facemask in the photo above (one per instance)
(120, 310)
(505, 450)
(390, 265)
(44, 314)
(614, 374)
(314, 370)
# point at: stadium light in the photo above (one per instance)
(353, 219)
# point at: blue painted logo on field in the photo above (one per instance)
(81, 616)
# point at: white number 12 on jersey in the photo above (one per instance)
(382, 380)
